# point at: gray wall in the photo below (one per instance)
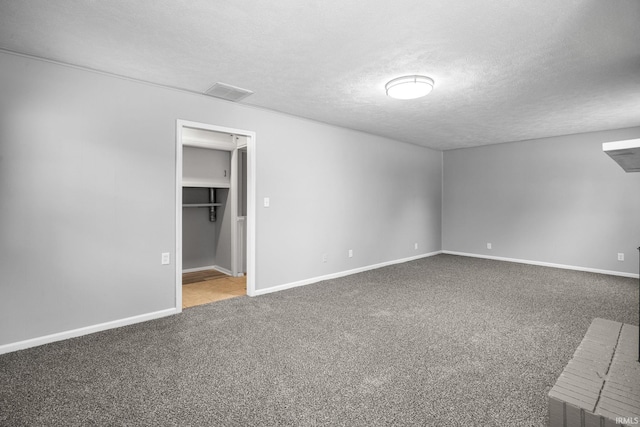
(557, 200)
(87, 176)
(199, 235)
(223, 230)
(331, 190)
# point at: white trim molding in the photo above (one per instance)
(223, 270)
(208, 267)
(193, 270)
(250, 145)
(340, 274)
(35, 342)
(545, 264)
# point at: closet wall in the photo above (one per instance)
(223, 232)
(199, 234)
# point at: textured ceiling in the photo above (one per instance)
(504, 70)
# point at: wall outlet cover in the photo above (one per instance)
(166, 258)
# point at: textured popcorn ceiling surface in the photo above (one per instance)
(504, 70)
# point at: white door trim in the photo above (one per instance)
(251, 208)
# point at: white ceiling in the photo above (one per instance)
(504, 70)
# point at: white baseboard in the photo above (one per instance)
(34, 342)
(208, 267)
(193, 270)
(339, 274)
(544, 264)
(222, 270)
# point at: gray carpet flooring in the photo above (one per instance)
(441, 341)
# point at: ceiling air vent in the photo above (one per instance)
(228, 92)
(625, 153)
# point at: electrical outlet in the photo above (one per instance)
(620, 256)
(415, 246)
(324, 257)
(350, 253)
(166, 258)
(488, 245)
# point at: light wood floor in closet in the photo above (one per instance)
(203, 287)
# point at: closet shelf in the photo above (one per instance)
(200, 205)
(202, 183)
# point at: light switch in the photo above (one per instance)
(266, 202)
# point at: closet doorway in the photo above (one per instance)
(215, 213)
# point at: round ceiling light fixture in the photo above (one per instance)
(409, 87)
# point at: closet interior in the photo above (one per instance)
(213, 216)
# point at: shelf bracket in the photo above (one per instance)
(212, 209)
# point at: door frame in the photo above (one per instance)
(251, 207)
